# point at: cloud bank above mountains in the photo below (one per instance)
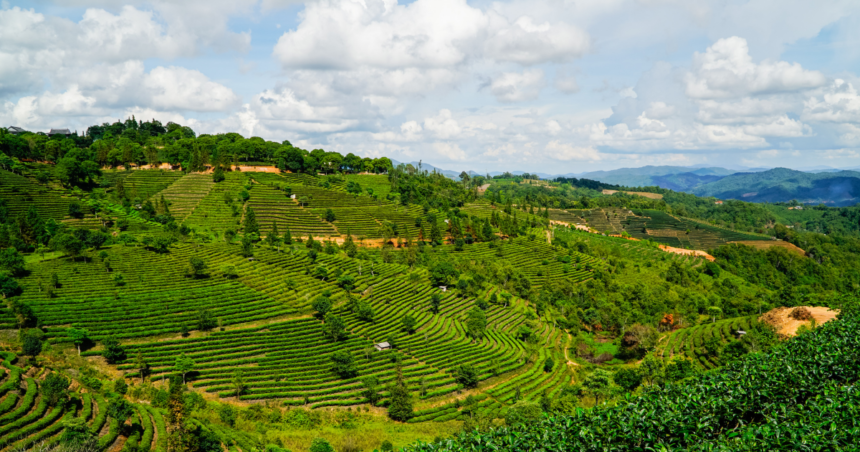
(554, 86)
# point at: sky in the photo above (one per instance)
(550, 86)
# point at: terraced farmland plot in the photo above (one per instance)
(273, 206)
(287, 360)
(20, 193)
(664, 228)
(688, 342)
(357, 221)
(145, 183)
(214, 213)
(377, 182)
(184, 195)
(319, 197)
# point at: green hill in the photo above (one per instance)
(782, 185)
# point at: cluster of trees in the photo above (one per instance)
(133, 142)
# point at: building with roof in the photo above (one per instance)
(382, 346)
(15, 130)
(59, 132)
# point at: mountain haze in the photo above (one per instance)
(782, 184)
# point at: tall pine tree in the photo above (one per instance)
(179, 439)
(400, 408)
(251, 226)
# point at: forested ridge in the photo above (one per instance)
(220, 303)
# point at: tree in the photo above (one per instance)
(76, 210)
(435, 302)
(247, 246)
(349, 246)
(627, 378)
(322, 305)
(218, 174)
(651, 369)
(443, 273)
(68, 244)
(114, 352)
(598, 384)
(119, 409)
(320, 445)
(205, 320)
(467, 376)
(476, 323)
(288, 237)
(548, 365)
(523, 412)
(343, 365)
(250, 226)
(239, 385)
(409, 323)
(197, 268)
(120, 386)
(227, 414)
(8, 285)
(329, 215)
(142, 366)
(178, 437)
(76, 434)
(54, 389)
(184, 365)
(274, 238)
(347, 282)
(371, 389)
(400, 406)
(364, 311)
(12, 261)
(679, 369)
(321, 272)
(80, 337)
(334, 328)
(714, 312)
(32, 344)
(435, 233)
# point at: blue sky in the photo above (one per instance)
(553, 86)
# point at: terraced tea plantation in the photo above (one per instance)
(20, 193)
(690, 342)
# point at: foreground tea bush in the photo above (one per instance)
(799, 396)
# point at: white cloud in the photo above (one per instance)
(527, 43)
(838, 103)
(518, 86)
(450, 151)
(344, 34)
(176, 88)
(726, 69)
(443, 125)
(564, 151)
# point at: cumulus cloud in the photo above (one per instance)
(518, 86)
(527, 43)
(443, 125)
(839, 102)
(726, 69)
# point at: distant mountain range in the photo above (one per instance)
(815, 185)
(840, 188)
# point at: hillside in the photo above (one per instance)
(840, 188)
(659, 175)
(339, 293)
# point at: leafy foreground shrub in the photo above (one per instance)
(799, 396)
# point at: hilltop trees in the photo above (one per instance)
(400, 407)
